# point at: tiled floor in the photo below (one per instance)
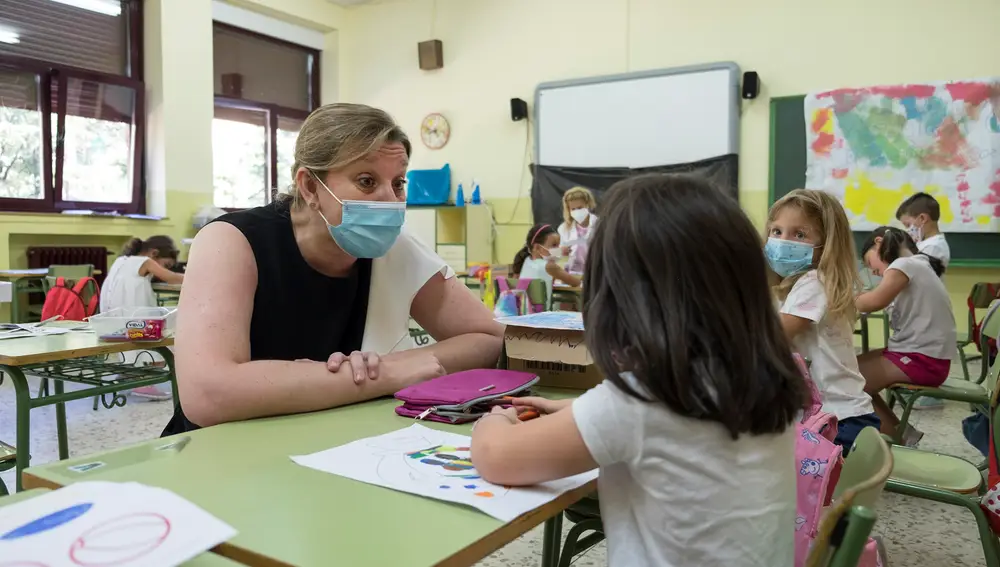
(916, 533)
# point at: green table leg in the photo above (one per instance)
(168, 358)
(61, 422)
(864, 332)
(23, 399)
(550, 541)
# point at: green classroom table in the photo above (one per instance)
(287, 514)
(75, 357)
(203, 560)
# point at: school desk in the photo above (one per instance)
(203, 560)
(287, 514)
(73, 357)
(166, 293)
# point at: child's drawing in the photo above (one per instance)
(556, 320)
(435, 464)
(94, 524)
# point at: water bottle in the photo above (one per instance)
(460, 196)
(475, 193)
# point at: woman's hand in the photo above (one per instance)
(541, 405)
(365, 365)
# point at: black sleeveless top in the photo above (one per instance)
(297, 311)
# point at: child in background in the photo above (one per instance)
(923, 339)
(537, 260)
(815, 273)
(578, 206)
(129, 285)
(693, 426)
(920, 214)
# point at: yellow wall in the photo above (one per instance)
(495, 50)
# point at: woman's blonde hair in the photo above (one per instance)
(336, 135)
(838, 261)
(577, 194)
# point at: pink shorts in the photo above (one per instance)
(921, 369)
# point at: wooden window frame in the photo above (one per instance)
(273, 111)
(52, 173)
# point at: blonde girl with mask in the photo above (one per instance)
(814, 274)
(574, 232)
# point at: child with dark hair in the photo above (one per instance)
(920, 214)
(129, 285)
(700, 388)
(923, 340)
(537, 260)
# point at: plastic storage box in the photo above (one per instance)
(135, 324)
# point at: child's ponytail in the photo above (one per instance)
(519, 259)
(133, 247)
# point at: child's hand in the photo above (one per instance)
(541, 405)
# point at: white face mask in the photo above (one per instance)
(580, 215)
(915, 232)
(554, 254)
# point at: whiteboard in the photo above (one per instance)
(663, 117)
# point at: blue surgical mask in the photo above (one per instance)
(788, 257)
(367, 229)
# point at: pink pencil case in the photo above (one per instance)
(463, 396)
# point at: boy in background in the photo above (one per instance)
(920, 214)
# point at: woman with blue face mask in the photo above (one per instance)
(304, 304)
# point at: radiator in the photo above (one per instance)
(45, 256)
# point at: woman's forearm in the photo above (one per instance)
(465, 352)
(264, 388)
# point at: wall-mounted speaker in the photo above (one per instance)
(751, 85)
(431, 54)
(518, 109)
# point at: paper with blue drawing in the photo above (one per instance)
(555, 320)
(873, 147)
(106, 523)
(435, 464)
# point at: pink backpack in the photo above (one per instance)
(818, 462)
(523, 302)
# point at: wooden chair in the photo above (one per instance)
(948, 479)
(977, 393)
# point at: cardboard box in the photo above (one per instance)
(555, 353)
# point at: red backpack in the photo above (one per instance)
(68, 303)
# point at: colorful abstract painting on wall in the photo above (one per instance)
(873, 147)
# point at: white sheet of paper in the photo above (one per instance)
(107, 523)
(31, 330)
(435, 464)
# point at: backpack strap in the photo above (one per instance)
(502, 284)
(90, 307)
(60, 282)
(522, 284)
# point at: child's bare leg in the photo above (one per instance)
(880, 373)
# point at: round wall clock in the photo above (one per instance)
(435, 131)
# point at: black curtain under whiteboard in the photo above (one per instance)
(551, 182)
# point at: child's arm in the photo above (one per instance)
(560, 273)
(506, 451)
(150, 266)
(893, 282)
(794, 325)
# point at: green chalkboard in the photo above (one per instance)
(788, 172)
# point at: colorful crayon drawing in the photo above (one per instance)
(434, 464)
(873, 147)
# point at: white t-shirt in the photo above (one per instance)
(829, 344)
(937, 247)
(124, 287)
(534, 269)
(678, 492)
(921, 316)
